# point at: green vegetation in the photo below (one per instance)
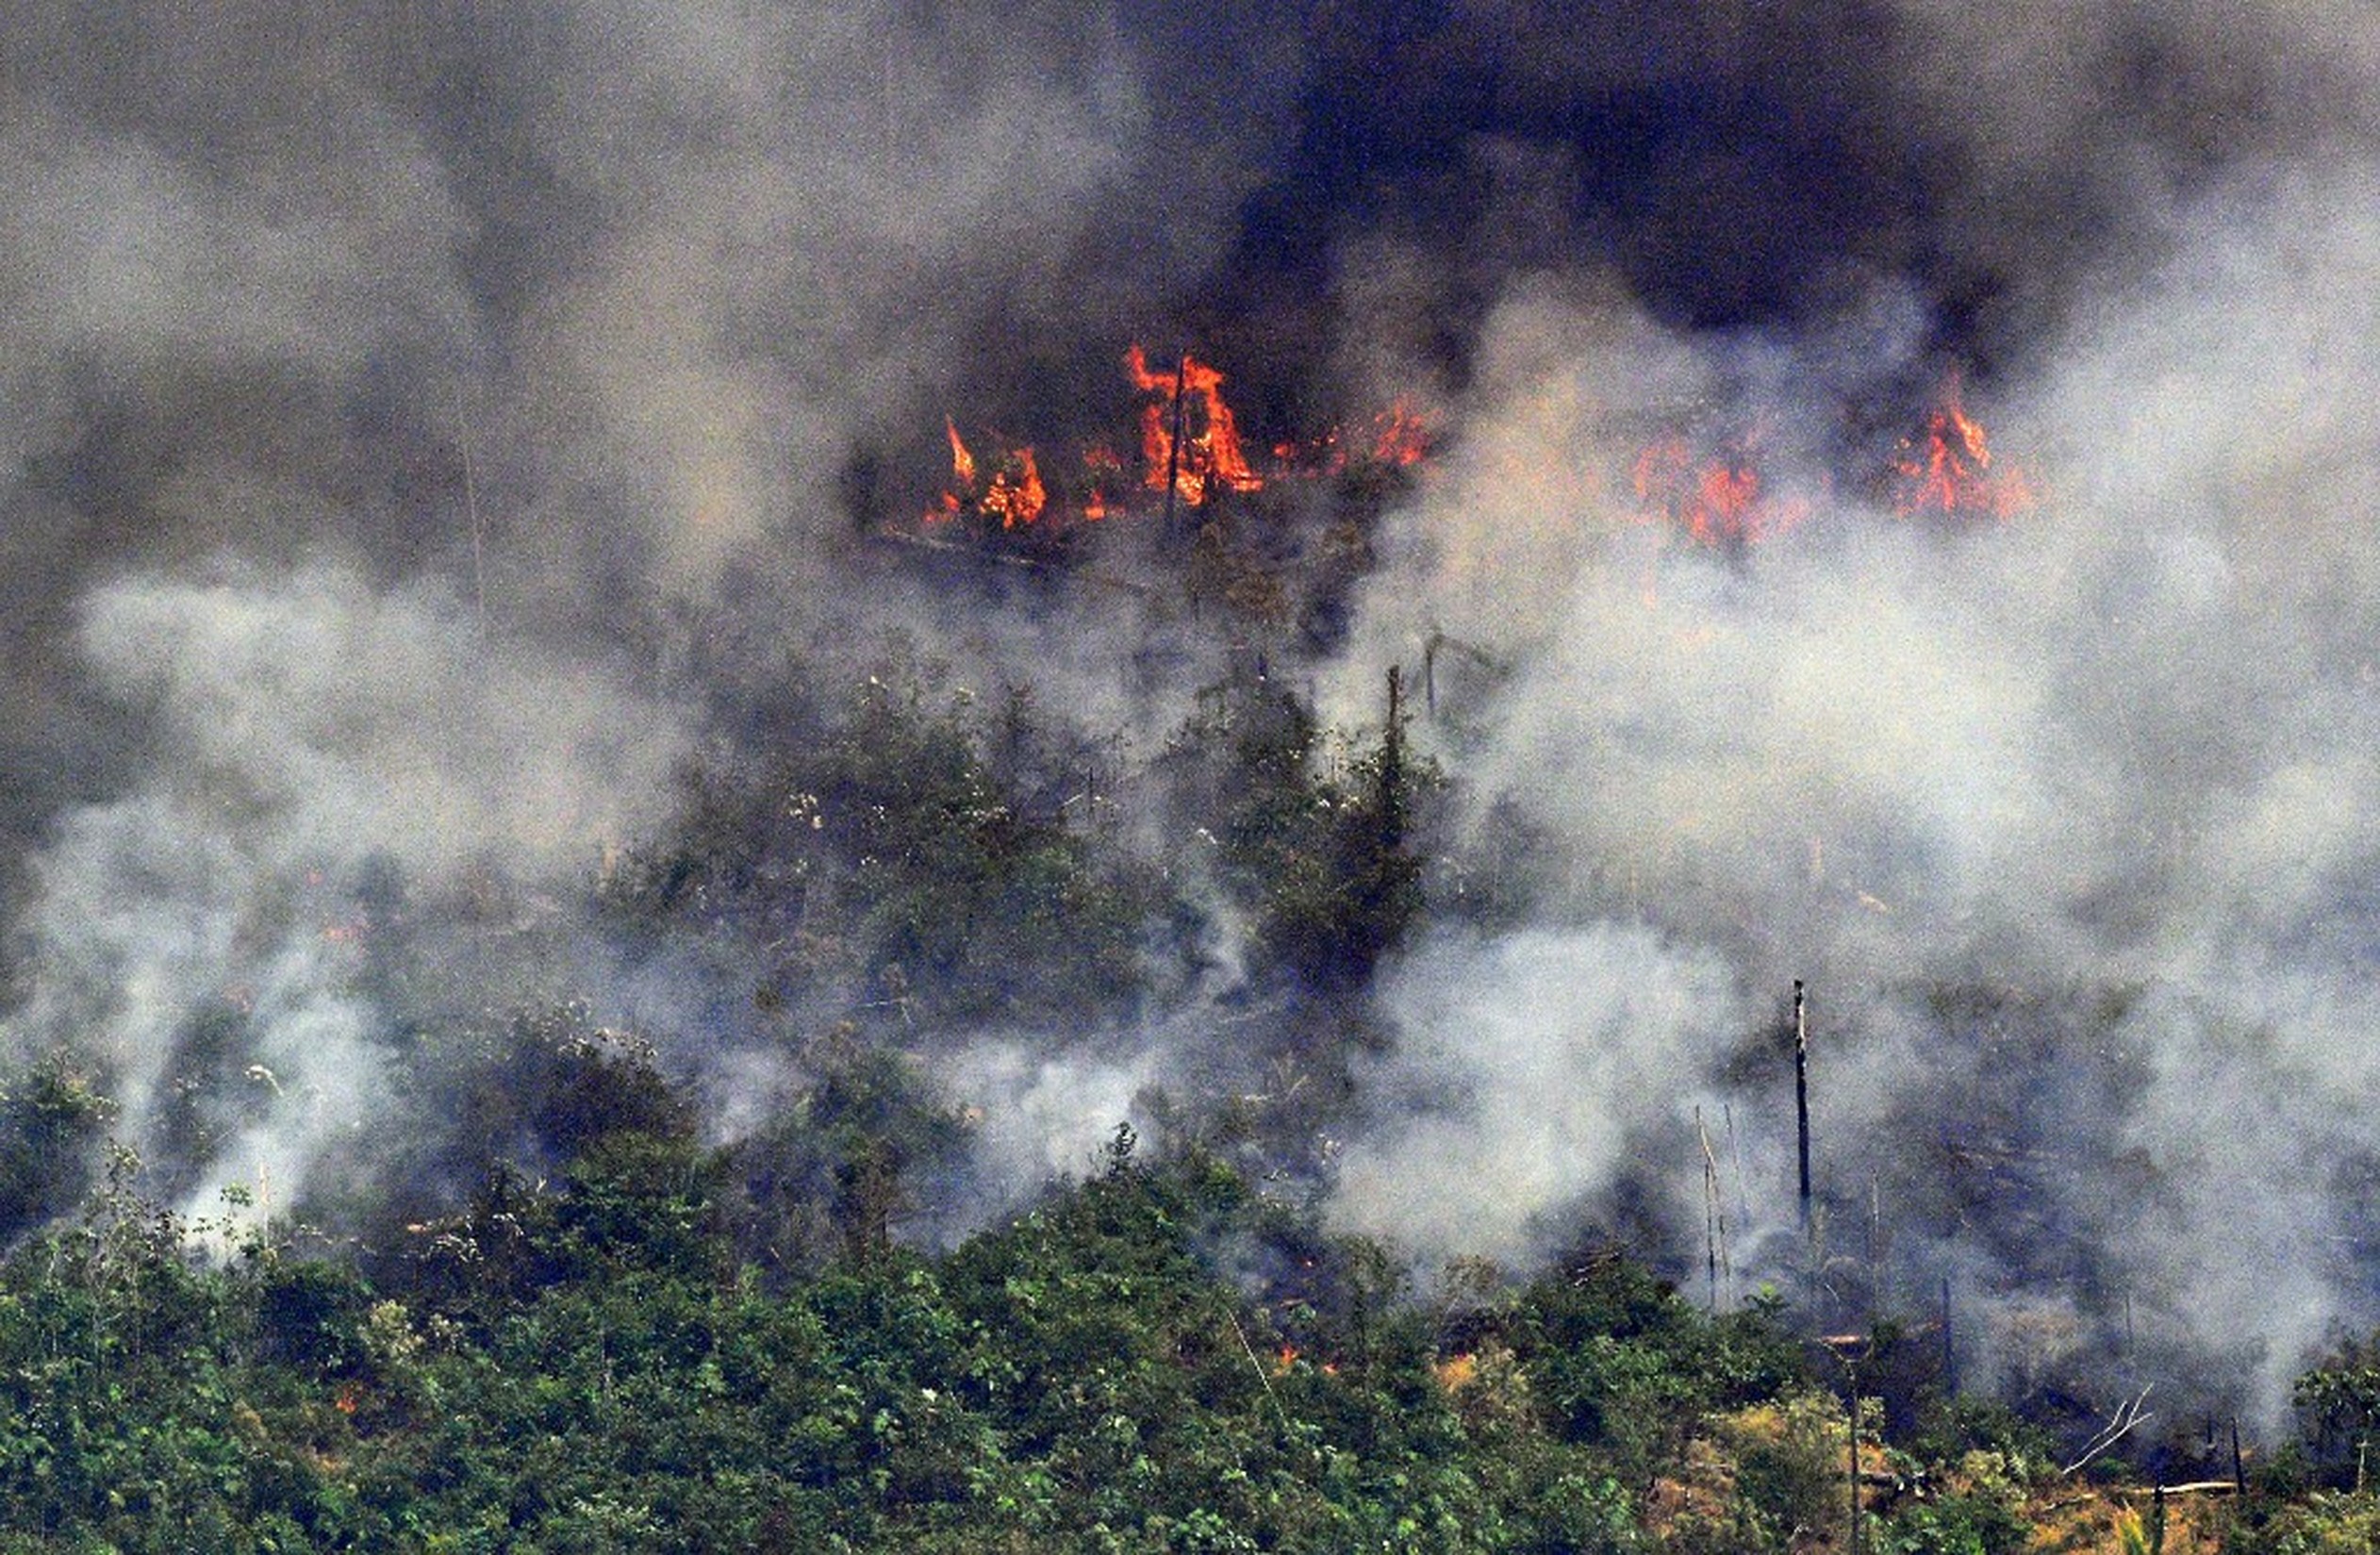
(1159, 1358)
(551, 1312)
(586, 1364)
(905, 854)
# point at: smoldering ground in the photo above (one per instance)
(427, 427)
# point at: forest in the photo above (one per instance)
(872, 775)
(560, 1308)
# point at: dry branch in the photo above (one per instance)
(2118, 1425)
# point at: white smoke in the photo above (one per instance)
(1042, 1118)
(2118, 743)
(1530, 1065)
(308, 726)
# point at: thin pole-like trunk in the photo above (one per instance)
(1173, 444)
(1801, 1097)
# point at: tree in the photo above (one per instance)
(51, 1122)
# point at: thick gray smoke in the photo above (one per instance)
(416, 419)
(400, 404)
(2104, 769)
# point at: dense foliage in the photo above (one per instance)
(549, 1311)
(586, 1364)
(1162, 1357)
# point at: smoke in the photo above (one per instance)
(1039, 1115)
(1531, 1063)
(413, 419)
(311, 734)
(425, 426)
(2102, 771)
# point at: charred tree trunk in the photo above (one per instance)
(1801, 1098)
(1173, 445)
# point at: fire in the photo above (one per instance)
(1400, 436)
(1400, 439)
(1714, 490)
(1717, 500)
(1014, 498)
(1949, 468)
(962, 462)
(1190, 443)
(1209, 454)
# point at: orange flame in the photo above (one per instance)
(962, 462)
(1006, 489)
(1949, 470)
(1716, 502)
(1015, 496)
(1018, 496)
(951, 503)
(1210, 456)
(1400, 436)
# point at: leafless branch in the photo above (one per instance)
(2118, 1425)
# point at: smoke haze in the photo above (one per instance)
(426, 428)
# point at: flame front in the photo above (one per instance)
(1209, 453)
(1715, 501)
(1189, 441)
(1713, 489)
(1949, 470)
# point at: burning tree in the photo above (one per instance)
(1947, 469)
(1189, 456)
